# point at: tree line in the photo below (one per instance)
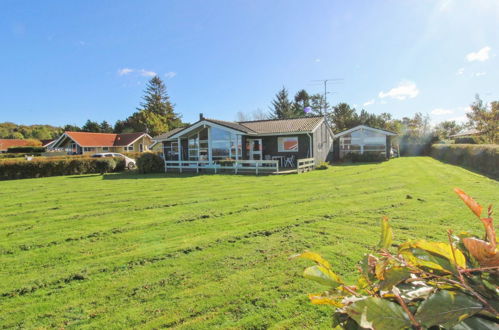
(483, 117)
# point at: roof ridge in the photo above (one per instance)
(276, 119)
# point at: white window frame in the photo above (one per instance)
(280, 144)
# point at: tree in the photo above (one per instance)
(447, 128)
(343, 117)
(71, 128)
(104, 127)
(485, 119)
(301, 101)
(91, 126)
(282, 107)
(156, 114)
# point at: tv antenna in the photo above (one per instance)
(325, 81)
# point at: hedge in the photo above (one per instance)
(25, 150)
(483, 158)
(21, 169)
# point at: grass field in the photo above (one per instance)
(211, 250)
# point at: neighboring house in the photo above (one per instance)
(213, 140)
(77, 143)
(362, 139)
(467, 133)
(47, 143)
(11, 143)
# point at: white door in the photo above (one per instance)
(255, 149)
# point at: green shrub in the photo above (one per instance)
(322, 166)
(105, 165)
(120, 164)
(417, 284)
(18, 155)
(467, 140)
(365, 157)
(44, 167)
(26, 150)
(149, 162)
(479, 157)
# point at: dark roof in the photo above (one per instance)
(304, 124)
(125, 139)
(169, 133)
(233, 125)
(270, 126)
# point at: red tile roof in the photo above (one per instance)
(86, 139)
(9, 143)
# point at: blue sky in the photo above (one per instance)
(67, 61)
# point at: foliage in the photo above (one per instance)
(155, 115)
(423, 284)
(282, 107)
(39, 132)
(447, 128)
(105, 165)
(93, 127)
(18, 155)
(55, 166)
(149, 162)
(26, 150)
(467, 140)
(479, 157)
(141, 240)
(485, 120)
(365, 157)
(322, 166)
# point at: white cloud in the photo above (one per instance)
(124, 71)
(146, 73)
(481, 55)
(460, 71)
(170, 74)
(317, 60)
(479, 74)
(440, 111)
(406, 89)
(460, 119)
(141, 72)
(368, 103)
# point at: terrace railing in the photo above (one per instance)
(305, 164)
(238, 166)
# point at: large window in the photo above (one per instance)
(170, 150)
(225, 144)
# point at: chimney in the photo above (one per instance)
(201, 117)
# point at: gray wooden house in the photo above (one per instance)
(210, 141)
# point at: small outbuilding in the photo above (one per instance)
(361, 140)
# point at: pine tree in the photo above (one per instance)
(156, 114)
(282, 107)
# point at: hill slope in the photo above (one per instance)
(210, 250)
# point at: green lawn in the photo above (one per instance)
(210, 250)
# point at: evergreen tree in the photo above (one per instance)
(302, 100)
(91, 126)
(282, 107)
(156, 114)
(104, 127)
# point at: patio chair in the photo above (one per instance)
(289, 161)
